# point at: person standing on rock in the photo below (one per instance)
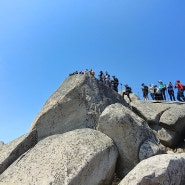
(115, 83)
(107, 79)
(162, 87)
(101, 76)
(127, 92)
(171, 91)
(145, 91)
(180, 92)
(151, 90)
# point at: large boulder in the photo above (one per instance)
(150, 111)
(133, 137)
(14, 149)
(172, 122)
(77, 103)
(161, 169)
(167, 119)
(82, 156)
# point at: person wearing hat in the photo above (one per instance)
(127, 92)
(180, 92)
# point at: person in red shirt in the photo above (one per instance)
(180, 92)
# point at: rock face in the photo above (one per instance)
(131, 135)
(1, 144)
(82, 156)
(77, 103)
(13, 150)
(165, 118)
(87, 132)
(161, 169)
(172, 122)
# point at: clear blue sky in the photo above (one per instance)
(42, 41)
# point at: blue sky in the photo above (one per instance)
(42, 41)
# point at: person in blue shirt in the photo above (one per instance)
(162, 87)
(170, 89)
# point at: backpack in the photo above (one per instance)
(145, 88)
(128, 89)
(158, 91)
(183, 87)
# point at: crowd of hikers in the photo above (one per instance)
(104, 78)
(157, 92)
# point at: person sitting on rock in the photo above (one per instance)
(86, 72)
(92, 73)
(76, 72)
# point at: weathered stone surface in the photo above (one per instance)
(77, 103)
(1, 144)
(86, 156)
(129, 133)
(174, 116)
(149, 110)
(173, 121)
(14, 149)
(167, 137)
(161, 169)
(167, 119)
(82, 156)
(149, 148)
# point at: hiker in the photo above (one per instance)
(115, 83)
(145, 91)
(107, 79)
(127, 92)
(92, 73)
(162, 87)
(151, 90)
(76, 72)
(158, 94)
(81, 72)
(171, 91)
(101, 76)
(86, 72)
(180, 92)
